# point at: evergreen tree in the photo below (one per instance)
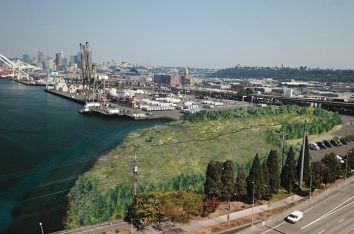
(288, 173)
(332, 168)
(213, 184)
(228, 180)
(274, 169)
(306, 171)
(267, 194)
(255, 184)
(317, 174)
(241, 186)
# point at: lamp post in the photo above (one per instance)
(228, 210)
(40, 224)
(252, 227)
(346, 168)
(310, 181)
(283, 146)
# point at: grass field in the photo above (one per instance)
(166, 151)
(175, 156)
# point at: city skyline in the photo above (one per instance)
(212, 34)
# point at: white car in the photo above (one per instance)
(294, 217)
(340, 159)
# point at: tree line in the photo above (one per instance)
(199, 194)
(267, 176)
(245, 112)
(283, 74)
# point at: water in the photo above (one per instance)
(44, 145)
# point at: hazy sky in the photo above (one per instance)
(199, 33)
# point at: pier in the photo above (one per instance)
(124, 111)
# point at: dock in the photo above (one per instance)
(26, 82)
(124, 111)
(70, 96)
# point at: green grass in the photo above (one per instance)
(175, 156)
(167, 151)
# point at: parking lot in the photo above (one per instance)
(347, 128)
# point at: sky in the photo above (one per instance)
(194, 33)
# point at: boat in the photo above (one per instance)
(88, 107)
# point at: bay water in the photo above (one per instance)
(45, 144)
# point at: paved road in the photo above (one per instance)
(333, 213)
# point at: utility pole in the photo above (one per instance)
(228, 211)
(41, 225)
(302, 157)
(346, 168)
(135, 174)
(310, 182)
(252, 227)
(283, 146)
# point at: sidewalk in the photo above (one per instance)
(239, 214)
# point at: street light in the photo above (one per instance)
(283, 146)
(346, 168)
(252, 227)
(40, 224)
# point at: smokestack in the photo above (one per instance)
(89, 61)
(83, 65)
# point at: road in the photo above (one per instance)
(332, 213)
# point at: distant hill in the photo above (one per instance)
(302, 73)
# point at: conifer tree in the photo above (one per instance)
(332, 169)
(255, 183)
(274, 171)
(267, 194)
(306, 162)
(317, 174)
(241, 186)
(288, 173)
(213, 184)
(228, 180)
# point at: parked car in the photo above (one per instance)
(334, 143)
(321, 145)
(339, 158)
(339, 143)
(313, 146)
(344, 142)
(327, 144)
(348, 139)
(294, 217)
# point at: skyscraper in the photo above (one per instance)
(59, 59)
(40, 57)
(26, 58)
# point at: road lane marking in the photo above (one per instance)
(321, 231)
(320, 203)
(272, 228)
(340, 221)
(328, 213)
(338, 209)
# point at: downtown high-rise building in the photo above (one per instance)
(26, 58)
(59, 58)
(40, 57)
